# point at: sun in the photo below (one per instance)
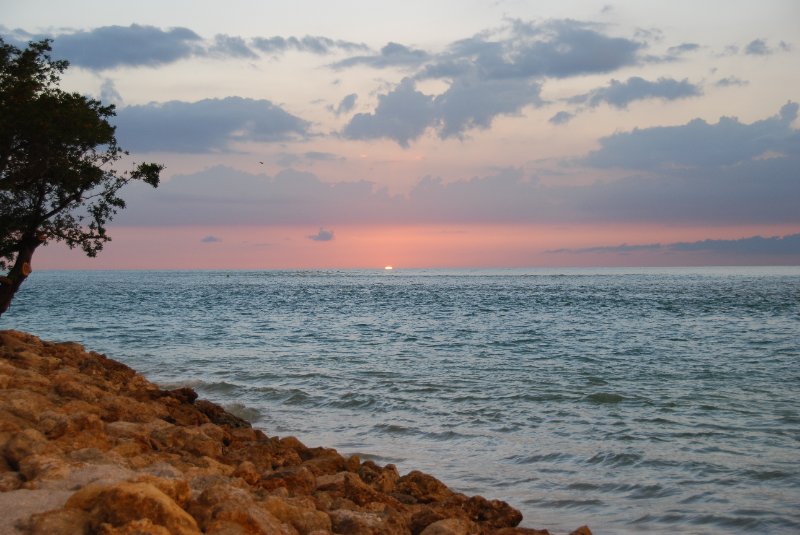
(388, 268)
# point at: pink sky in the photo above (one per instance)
(444, 134)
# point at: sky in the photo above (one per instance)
(359, 134)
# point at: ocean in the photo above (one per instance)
(634, 400)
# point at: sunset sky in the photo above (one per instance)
(318, 134)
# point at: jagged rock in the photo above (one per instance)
(448, 526)
(423, 487)
(89, 446)
(121, 503)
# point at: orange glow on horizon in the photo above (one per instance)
(418, 246)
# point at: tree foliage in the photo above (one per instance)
(57, 156)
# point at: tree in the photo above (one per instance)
(57, 156)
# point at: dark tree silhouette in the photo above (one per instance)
(57, 152)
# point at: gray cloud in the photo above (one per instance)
(499, 73)
(682, 48)
(206, 125)
(347, 104)
(555, 49)
(311, 44)
(210, 239)
(699, 144)
(227, 46)
(562, 117)
(322, 235)
(620, 94)
(731, 81)
(109, 93)
(110, 47)
(757, 47)
(755, 245)
(391, 55)
(402, 115)
(127, 46)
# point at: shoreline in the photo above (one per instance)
(90, 446)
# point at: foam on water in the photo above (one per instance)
(649, 399)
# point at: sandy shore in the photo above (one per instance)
(90, 446)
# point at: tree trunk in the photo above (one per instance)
(22, 268)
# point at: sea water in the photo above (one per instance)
(655, 400)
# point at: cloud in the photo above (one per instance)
(109, 47)
(618, 249)
(699, 144)
(620, 94)
(391, 55)
(554, 49)
(731, 81)
(715, 190)
(402, 115)
(757, 47)
(755, 245)
(498, 72)
(109, 93)
(226, 46)
(682, 48)
(322, 235)
(347, 104)
(311, 44)
(206, 125)
(210, 239)
(562, 117)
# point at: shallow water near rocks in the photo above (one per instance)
(656, 400)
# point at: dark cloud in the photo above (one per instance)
(498, 73)
(555, 49)
(206, 125)
(401, 115)
(311, 44)
(562, 117)
(682, 48)
(731, 81)
(391, 55)
(210, 239)
(110, 47)
(755, 245)
(757, 47)
(109, 93)
(322, 235)
(620, 94)
(618, 249)
(231, 47)
(469, 104)
(404, 114)
(347, 104)
(127, 46)
(699, 144)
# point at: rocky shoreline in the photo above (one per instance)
(90, 446)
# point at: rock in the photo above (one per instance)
(120, 503)
(448, 526)
(493, 513)
(221, 506)
(89, 446)
(297, 479)
(58, 521)
(304, 519)
(423, 487)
